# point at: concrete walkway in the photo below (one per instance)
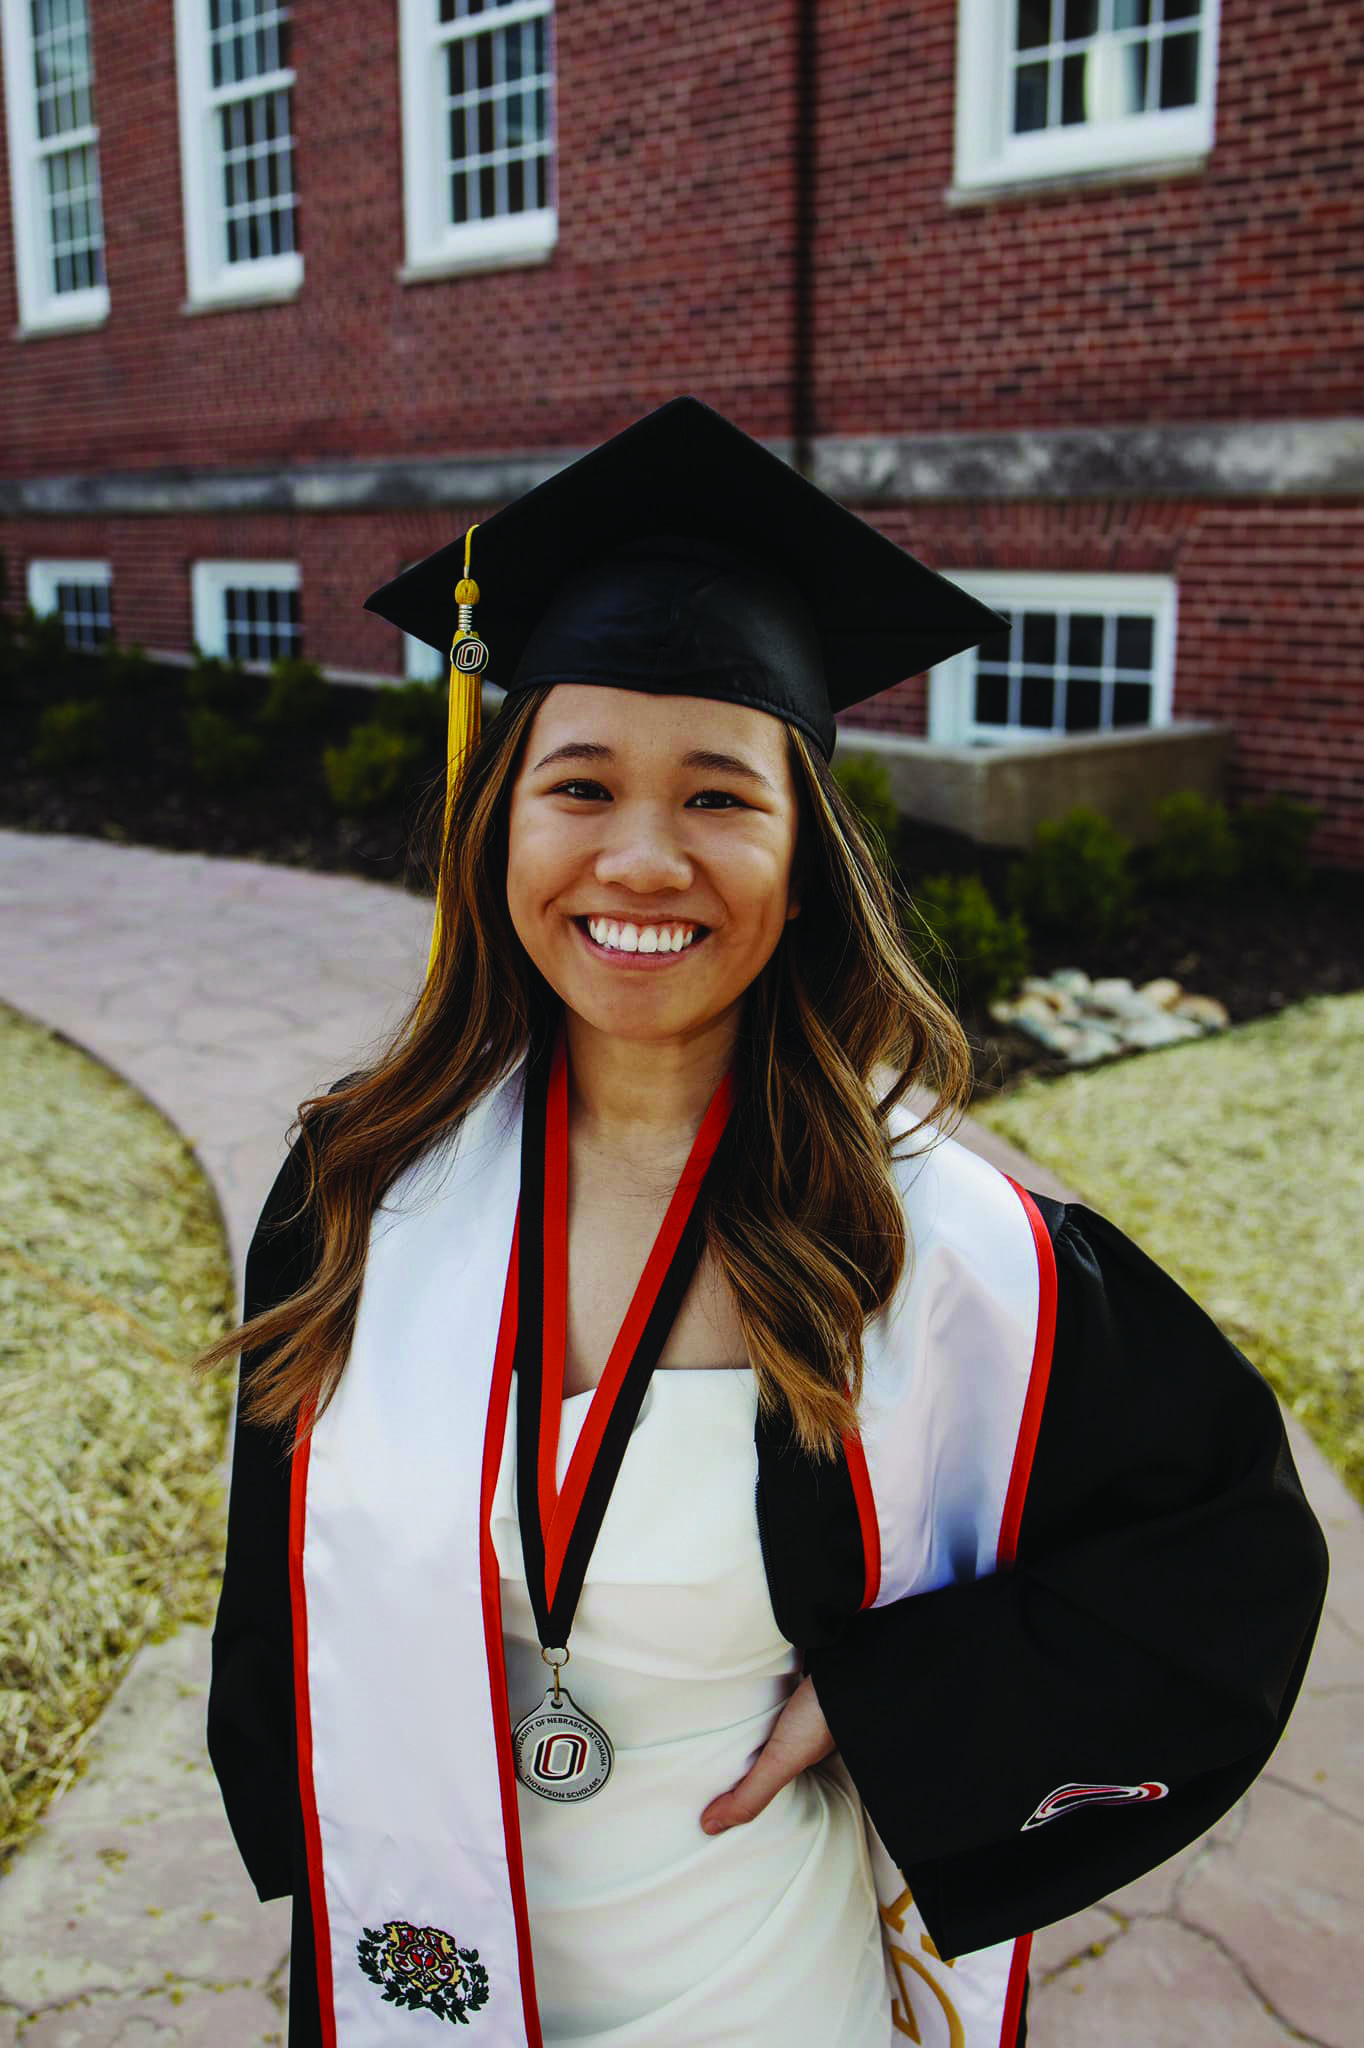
(227, 991)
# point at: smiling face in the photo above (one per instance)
(624, 813)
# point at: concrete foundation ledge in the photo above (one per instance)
(999, 794)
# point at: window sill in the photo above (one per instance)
(1071, 180)
(84, 325)
(242, 301)
(469, 266)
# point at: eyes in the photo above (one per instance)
(579, 782)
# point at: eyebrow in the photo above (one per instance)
(699, 757)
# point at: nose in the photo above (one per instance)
(641, 852)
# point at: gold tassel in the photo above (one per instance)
(468, 659)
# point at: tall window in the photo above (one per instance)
(78, 591)
(478, 132)
(237, 143)
(54, 163)
(247, 611)
(1083, 654)
(1081, 85)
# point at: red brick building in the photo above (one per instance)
(1064, 294)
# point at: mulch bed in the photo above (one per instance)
(1257, 953)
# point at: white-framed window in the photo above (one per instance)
(247, 611)
(54, 164)
(420, 662)
(478, 143)
(1085, 653)
(79, 591)
(237, 149)
(1050, 87)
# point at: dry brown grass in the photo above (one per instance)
(1237, 1163)
(114, 1272)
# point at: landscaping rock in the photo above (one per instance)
(1205, 1011)
(1162, 991)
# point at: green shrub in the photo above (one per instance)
(222, 755)
(1273, 838)
(369, 769)
(297, 697)
(70, 735)
(40, 646)
(987, 948)
(1077, 878)
(418, 711)
(866, 785)
(127, 672)
(1195, 849)
(214, 684)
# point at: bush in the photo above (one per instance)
(40, 652)
(213, 684)
(988, 948)
(368, 770)
(127, 672)
(1272, 841)
(1194, 849)
(222, 755)
(418, 711)
(1077, 878)
(297, 697)
(866, 785)
(70, 735)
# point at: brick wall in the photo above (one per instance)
(1231, 294)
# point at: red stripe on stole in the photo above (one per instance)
(491, 1580)
(1007, 1548)
(312, 1832)
(866, 1516)
(1035, 1400)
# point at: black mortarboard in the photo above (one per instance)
(683, 557)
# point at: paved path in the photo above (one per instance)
(227, 991)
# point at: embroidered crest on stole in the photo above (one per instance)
(421, 1966)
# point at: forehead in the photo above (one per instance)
(639, 725)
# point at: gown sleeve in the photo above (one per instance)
(251, 1725)
(1152, 1632)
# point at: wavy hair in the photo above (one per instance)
(807, 1226)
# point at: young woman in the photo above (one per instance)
(710, 1560)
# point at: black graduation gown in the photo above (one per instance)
(1156, 1624)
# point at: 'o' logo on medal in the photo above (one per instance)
(561, 1756)
(470, 656)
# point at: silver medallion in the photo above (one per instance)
(559, 1751)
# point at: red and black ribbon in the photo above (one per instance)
(559, 1527)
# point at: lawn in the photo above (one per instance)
(114, 1272)
(1236, 1162)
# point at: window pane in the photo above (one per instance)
(1082, 705)
(1039, 637)
(1183, 10)
(1133, 13)
(1086, 640)
(1131, 704)
(1073, 90)
(996, 648)
(1030, 98)
(992, 700)
(1081, 19)
(1179, 71)
(1136, 638)
(1037, 702)
(1034, 24)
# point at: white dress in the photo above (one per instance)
(646, 1932)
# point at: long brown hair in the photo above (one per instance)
(807, 1227)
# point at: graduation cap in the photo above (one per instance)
(681, 557)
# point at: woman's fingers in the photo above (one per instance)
(800, 1737)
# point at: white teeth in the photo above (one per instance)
(630, 938)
